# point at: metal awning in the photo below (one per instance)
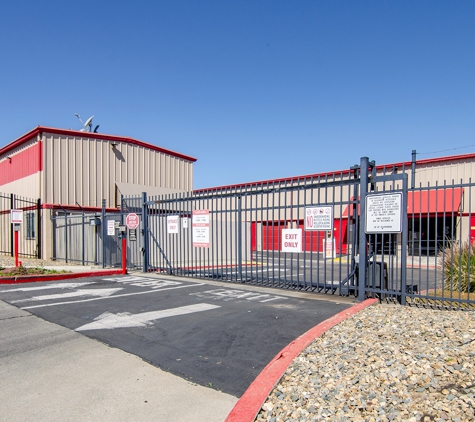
(130, 189)
(425, 201)
(434, 201)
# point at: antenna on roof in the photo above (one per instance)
(87, 126)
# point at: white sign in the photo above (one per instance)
(319, 218)
(16, 216)
(110, 227)
(292, 240)
(200, 228)
(329, 249)
(184, 222)
(173, 221)
(383, 213)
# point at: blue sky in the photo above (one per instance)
(254, 90)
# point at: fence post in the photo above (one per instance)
(145, 232)
(413, 169)
(404, 241)
(38, 229)
(104, 233)
(12, 207)
(363, 253)
(65, 235)
(239, 235)
(124, 235)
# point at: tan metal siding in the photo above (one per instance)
(454, 171)
(26, 186)
(85, 169)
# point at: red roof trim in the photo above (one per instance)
(41, 129)
(315, 176)
(406, 164)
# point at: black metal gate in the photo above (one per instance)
(276, 234)
(29, 245)
(86, 237)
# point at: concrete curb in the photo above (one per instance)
(52, 277)
(249, 405)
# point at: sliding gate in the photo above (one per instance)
(362, 232)
(304, 234)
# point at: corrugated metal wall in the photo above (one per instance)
(85, 169)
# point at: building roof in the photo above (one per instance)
(40, 129)
(317, 176)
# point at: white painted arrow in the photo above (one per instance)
(90, 292)
(108, 321)
(51, 286)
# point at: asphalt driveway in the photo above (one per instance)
(214, 334)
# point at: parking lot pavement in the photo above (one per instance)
(51, 373)
(214, 334)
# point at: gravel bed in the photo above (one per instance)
(387, 363)
(8, 261)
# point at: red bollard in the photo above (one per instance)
(16, 248)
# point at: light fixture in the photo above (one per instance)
(114, 144)
(10, 158)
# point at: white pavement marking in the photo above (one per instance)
(229, 294)
(51, 286)
(90, 292)
(108, 321)
(111, 297)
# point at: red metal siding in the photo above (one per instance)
(23, 164)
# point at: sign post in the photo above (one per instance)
(16, 218)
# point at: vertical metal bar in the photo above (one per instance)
(38, 229)
(66, 235)
(12, 207)
(145, 242)
(104, 233)
(404, 240)
(239, 237)
(83, 233)
(363, 255)
(413, 169)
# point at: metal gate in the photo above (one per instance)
(30, 230)
(278, 235)
(86, 237)
(246, 234)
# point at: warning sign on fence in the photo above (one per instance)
(292, 240)
(383, 213)
(173, 221)
(319, 218)
(200, 228)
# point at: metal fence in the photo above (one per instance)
(279, 235)
(30, 233)
(86, 237)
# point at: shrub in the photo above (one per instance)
(457, 262)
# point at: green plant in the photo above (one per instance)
(19, 271)
(457, 262)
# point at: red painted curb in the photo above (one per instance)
(249, 405)
(52, 277)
